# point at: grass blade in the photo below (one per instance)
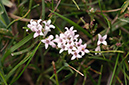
(3, 78)
(99, 81)
(30, 58)
(15, 47)
(114, 69)
(43, 9)
(74, 24)
(3, 15)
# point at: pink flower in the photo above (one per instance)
(63, 48)
(97, 49)
(83, 50)
(78, 43)
(36, 27)
(71, 47)
(48, 41)
(38, 32)
(102, 39)
(60, 40)
(70, 31)
(47, 26)
(75, 55)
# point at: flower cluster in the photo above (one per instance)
(101, 40)
(67, 41)
(39, 27)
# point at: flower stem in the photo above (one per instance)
(54, 68)
(114, 51)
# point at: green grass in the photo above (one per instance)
(25, 61)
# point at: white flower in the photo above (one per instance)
(63, 48)
(102, 39)
(83, 50)
(75, 55)
(47, 26)
(60, 40)
(70, 31)
(78, 43)
(36, 27)
(71, 47)
(97, 49)
(48, 41)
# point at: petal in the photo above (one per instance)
(47, 28)
(49, 22)
(44, 22)
(82, 53)
(43, 41)
(29, 26)
(98, 48)
(71, 28)
(39, 21)
(31, 20)
(52, 26)
(50, 37)
(104, 42)
(99, 36)
(73, 57)
(61, 50)
(45, 33)
(79, 56)
(46, 46)
(95, 53)
(52, 44)
(98, 43)
(80, 41)
(87, 51)
(85, 45)
(66, 28)
(35, 35)
(41, 33)
(105, 37)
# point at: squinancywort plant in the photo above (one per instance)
(40, 28)
(101, 40)
(67, 41)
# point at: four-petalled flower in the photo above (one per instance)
(102, 39)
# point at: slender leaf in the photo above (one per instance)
(15, 47)
(30, 58)
(3, 15)
(74, 24)
(3, 78)
(114, 69)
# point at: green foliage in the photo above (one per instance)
(25, 61)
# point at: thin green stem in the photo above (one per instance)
(3, 78)
(18, 19)
(30, 6)
(109, 26)
(99, 81)
(76, 4)
(114, 69)
(27, 62)
(43, 9)
(54, 68)
(113, 51)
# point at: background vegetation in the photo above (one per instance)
(25, 61)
